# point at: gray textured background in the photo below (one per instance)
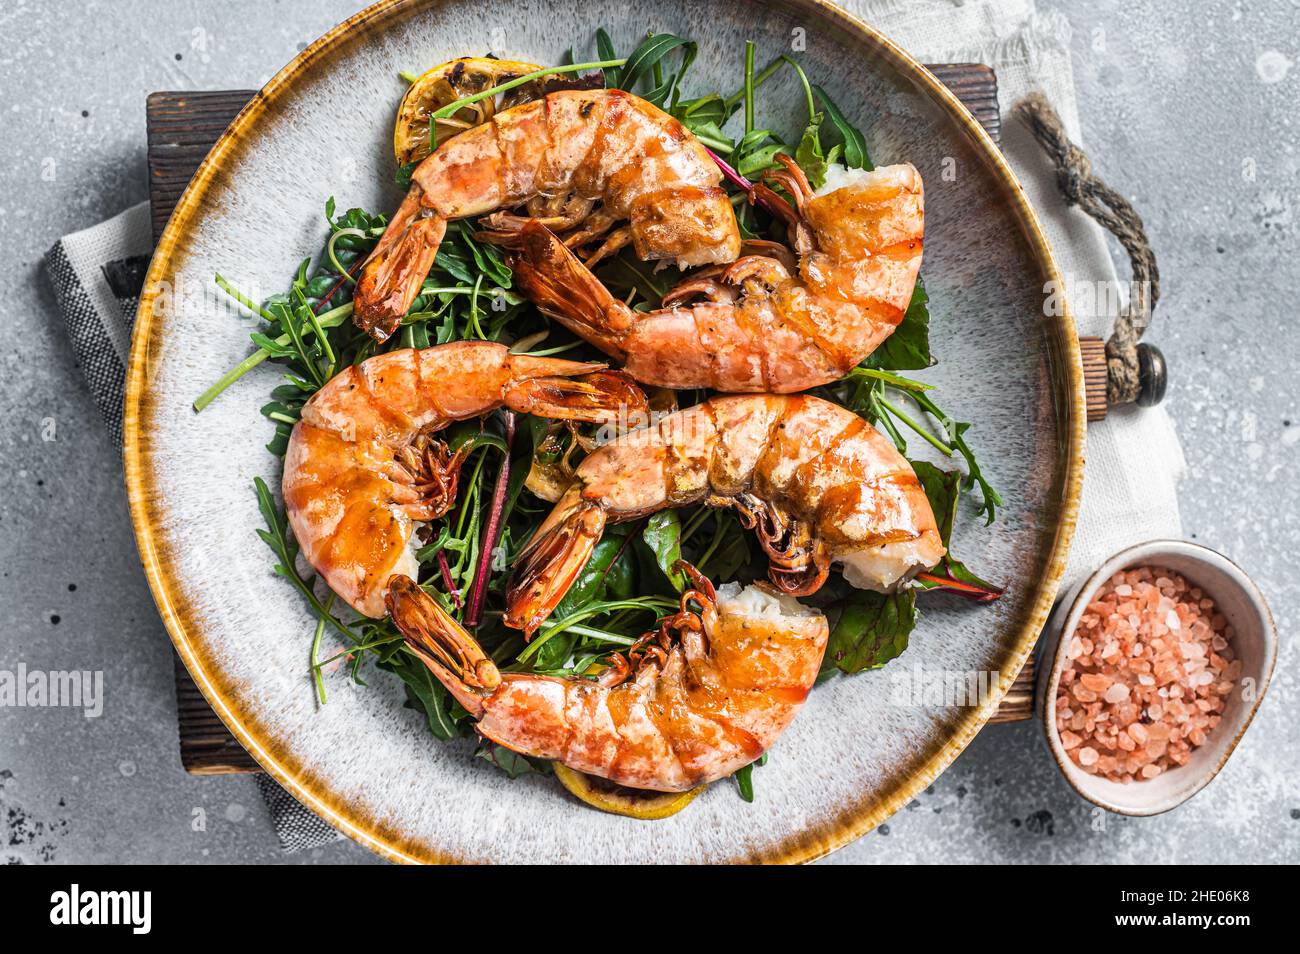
(1179, 102)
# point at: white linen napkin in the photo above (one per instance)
(97, 275)
(1134, 459)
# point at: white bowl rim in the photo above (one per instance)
(1149, 552)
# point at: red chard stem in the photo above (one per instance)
(445, 569)
(739, 181)
(969, 590)
(492, 532)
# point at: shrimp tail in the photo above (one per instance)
(595, 398)
(563, 288)
(552, 561)
(442, 644)
(398, 265)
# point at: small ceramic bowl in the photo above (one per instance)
(1235, 596)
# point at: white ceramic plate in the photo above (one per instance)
(368, 765)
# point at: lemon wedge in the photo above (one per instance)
(632, 802)
(440, 86)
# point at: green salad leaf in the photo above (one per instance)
(908, 348)
(662, 534)
(872, 628)
(424, 693)
(852, 143)
(943, 489)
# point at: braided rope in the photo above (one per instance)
(1080, 187)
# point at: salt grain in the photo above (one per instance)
(1148, 671)
(1116, 693)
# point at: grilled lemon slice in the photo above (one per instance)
(445, 84)
(632, 802)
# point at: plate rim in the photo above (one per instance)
(181, 621)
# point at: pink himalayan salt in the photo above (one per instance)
(1147, 674)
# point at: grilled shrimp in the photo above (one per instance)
(814, 480)
(765, 323)
(605, 144)
(693, 701)
(362, 467)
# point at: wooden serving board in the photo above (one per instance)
(182, 127)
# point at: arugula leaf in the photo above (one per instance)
(647, 55)
(402, 177)
(279, 443)
(943, 490)
(872, 629)
(956, 435)
(709, 133)
(757, 151)
(424, 692)
(487, 258)
(508, 761)
(283, 545)
(745, 777)
(668, 91)
(710, 108)
(626, 272)
(853, 142)
(728, 551)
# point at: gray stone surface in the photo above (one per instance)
(1189, 108)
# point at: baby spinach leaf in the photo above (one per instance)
(620, 579)
(942, 488)
(555, 652)
(591, 582)
(908, 348)
(663, 535)
(872, 629)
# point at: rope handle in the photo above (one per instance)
(1135, 372)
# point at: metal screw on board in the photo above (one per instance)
(1152, 376)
